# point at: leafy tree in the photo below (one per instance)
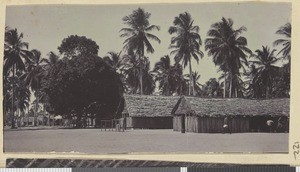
(15, 56)
(74, 46)
(73, 84)
(281, 82)
(228, 49)
(212, 88)
(186, 43)
(137, 37)
(168, 76)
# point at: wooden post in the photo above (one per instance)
(182, 123)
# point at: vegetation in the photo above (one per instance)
(77, 83)
(186, 43)
(228, 50)
(137, 38)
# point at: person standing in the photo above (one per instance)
(270, 124)
(226, 126)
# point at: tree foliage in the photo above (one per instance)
(74, 46)
(228, 49)
(169, 77)
(186, 43)
(74, 84)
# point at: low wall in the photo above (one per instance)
(149, 122)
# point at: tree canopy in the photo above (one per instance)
(74, 45)
(73, 85)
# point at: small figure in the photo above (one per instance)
(270, 124)
(225, 126)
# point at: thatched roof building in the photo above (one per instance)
(149, 105)
(232, 107)
(155, 106)
(202, 114)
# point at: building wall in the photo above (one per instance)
(211, 124)
(149, 122)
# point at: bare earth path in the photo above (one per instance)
(94, 141)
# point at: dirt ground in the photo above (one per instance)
(95, 141)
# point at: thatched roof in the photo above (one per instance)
(152, 106)
(183, 107)
(239, 106)
(149, 105)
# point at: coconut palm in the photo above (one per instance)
(251, 90)
(34, 75)
(114, 60)
(22, 98)
(132, 71)
(186, 43)
(196, 84)
(168, 76)
(285, 31)
(227, 48)
(51, 60)
(266, 70)
(137, 36)
(15, 55)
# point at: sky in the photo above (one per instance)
(45, 26)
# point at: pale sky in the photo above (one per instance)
(44, 27)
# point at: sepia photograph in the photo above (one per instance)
(147, 78)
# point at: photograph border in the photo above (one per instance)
(292, 158)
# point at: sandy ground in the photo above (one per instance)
(94, 141)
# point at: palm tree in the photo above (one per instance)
(52, 60)
(168, 76)
(15, 55)
(285, 31)
(227, 49)
(34, 76)
(186, 43)
(266, 69)
(196, 84)
(137, 36)
(132, 68)
(22, 94)
(114, 60)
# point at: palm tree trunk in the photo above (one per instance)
(12, 100)
(141, 76)
(36, 109)
(230, 86)
(18, 113)
(268, 89)
(27, 124)
(224, 91)
(191, 86)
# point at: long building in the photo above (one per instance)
(205, 115)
